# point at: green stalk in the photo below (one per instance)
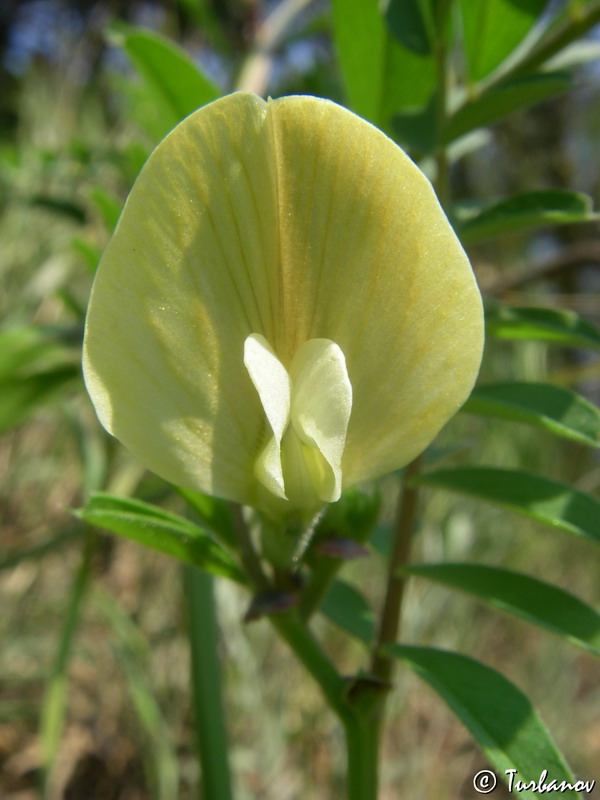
(54, 703)
(360, 726)
(291, 627)
(382, 665)
(294, 630)
(353, 709)
(206, 671)
(362, 747)
(310, 654)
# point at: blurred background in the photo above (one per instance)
(92, 632)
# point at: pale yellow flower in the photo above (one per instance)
(284, 310)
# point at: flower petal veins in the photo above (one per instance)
(283, 310)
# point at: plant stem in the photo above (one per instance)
(381, 664)
(362, 747)
(206, 670)
(320, 583)
(54, 704)
(360, 725)
(309, 652)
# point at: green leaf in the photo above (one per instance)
(538, 602)
(543, 499)
(493, 29)
(160, 530)
(553, 408)
(505, 99)
(177, 85)
(542, 324)
(498, 715)
(347, 608)
(213, 513)
(408, 80)
(410, 21)
(380, 76)
(530, 210)
(359, 37)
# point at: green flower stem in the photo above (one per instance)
(362, 747)
(206, 669)
(358, 722)
(301, 641)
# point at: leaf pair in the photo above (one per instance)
(163, 531)
(491, 30)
